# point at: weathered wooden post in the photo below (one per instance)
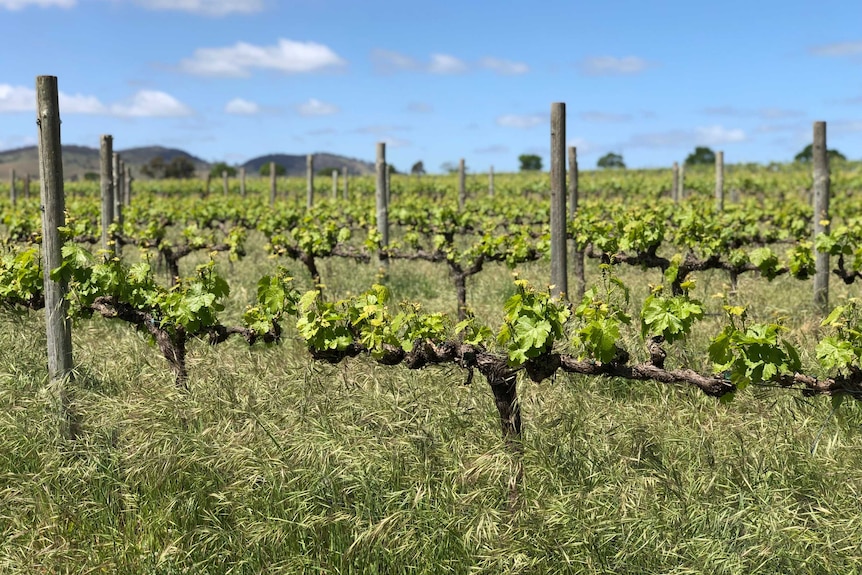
(674, 186)
(382, 206)
(491, 182)
(121, 184)
(388, 185)
(224, 183)
(116, 189)
(13, 196)
(309, 175)
(344, 177)
(821, 215)
(334, 183)
(27, 186)
(577, 255)
(106, 153)
(242, 181)
(719, 181)
(58, 326)
(559, 274)
(462, 185)
(272, 186)
(129, 179)
(681, 182)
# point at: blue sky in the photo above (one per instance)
(234, 79)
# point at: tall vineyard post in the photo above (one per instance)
(462, 185)
(719, 181)
(12, 191)
(58, 326)
(344, 177)
(122, 179)
(242, 182)
(224, 183)
(334, 184)
(26, 186)
(821, 214)
(127, 198)
(272, 185)
(681, 195)
(491, 182)
(674, 185)
(382, 206)
(117, 190)
(309, 181)
(208, 184)
(577, 255)
(559, 274)
(106, 151)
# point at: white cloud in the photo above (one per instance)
(387, 61)
(146, 103)
(420, 107)
(205, 7)
(612, 66)
(151, 104)
(21, 4)
(844, 127)
(315, 107)
(705, 135)
(495, 149)
(446, 64)
(380, 129)
(838, 49)
(582, 146)
(238, 60)
(604, 117)
(393, 142)
(521, 121)
(241, 107)
(773, 113)
(505, 67)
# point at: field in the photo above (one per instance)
(274, 462)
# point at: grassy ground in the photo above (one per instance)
(276, 464)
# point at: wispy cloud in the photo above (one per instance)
(613, 66)
(604, 117)
(286, 56)
(706, 135)
(315, 107)
(242, 107)
(380, 129)
(773, 113)
(145, 103)
(446, 64)
(838, 49)
(21, 4)
(495, 149)
(504, 67)
(845, 126)
(522, 121)
(420, 107)
(205, 7)
(387, 61)
(582, 146)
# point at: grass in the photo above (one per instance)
(276, 464)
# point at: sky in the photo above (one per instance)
(229, 80)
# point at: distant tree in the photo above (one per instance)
(279, 170)
(418, 169)
(530, 162)
(807, 154)
(180, 168)
(449, 168)
(92, 177)
(611, 160)
(155, 168)
(702, 156)
(219, 167)
(392, 169)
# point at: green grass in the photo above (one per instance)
(276, 464)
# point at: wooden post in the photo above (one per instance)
(309, 174)
(121, 184)
(116, 176)
(224, 182)
(681, 181)
(821, 214)
(334, 184)
(27, 186)
(577, 255)
(462, 185)
(674, 186)
(208, 184)
(719, 181)
(559, 274)
(388, 186)
(13, 196)
(272, 186)
(242, 182)
(382, 205)
(491, 182)
(58, 325)
(129, 179)
(344, 177)
(106, 153)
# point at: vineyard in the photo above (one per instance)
(269, 381)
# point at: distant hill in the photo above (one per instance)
(294, 165)
(78, 160)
